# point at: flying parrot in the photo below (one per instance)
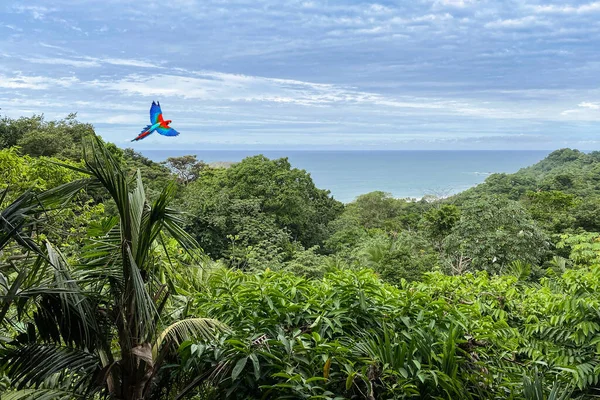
(157, 123)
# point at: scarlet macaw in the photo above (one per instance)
(157, 123)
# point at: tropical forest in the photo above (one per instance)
(123, 278)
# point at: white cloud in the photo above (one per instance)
(567, 9)
(37, 12)
(591, 106)
(516, 23)
(129, 62)
(64, 61)
(379, 9)
(222, 88)
(227, 87)
(12, 27)
(587, 111)
(35, 82)
(371, 31)
(238, 92)
(90, 62)
(433, 17)
(52, 46)
(454, 3)
(569, 112)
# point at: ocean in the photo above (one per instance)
(414, 174)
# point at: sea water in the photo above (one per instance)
(414, 174)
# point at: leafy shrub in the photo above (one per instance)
(349, 335)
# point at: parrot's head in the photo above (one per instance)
(168, 121)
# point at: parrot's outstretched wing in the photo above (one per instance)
(167, 131)
(155, 113)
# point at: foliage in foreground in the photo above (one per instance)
(350, 335)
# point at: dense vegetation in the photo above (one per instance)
(124, 278)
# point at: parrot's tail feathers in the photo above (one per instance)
(146, 128)
(143, 134)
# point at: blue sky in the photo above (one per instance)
(308, 74)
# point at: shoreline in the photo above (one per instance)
(412, 175)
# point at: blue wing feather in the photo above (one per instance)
(167, 131)
(155, 111)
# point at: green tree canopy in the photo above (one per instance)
(439, 221)
(278, 197)
(187, 168)
(494, 232)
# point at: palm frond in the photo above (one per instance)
(11, 292)
(40, 394)
(150, 225)
(141, 307)
(158, 217)
(137, 203)
(174, 222)
(67, 310)
(61, 195)
(101, 256)
(103, 167)
(188, 329)
(61, 311)
(32, 364)
(31, 208)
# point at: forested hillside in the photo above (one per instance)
(127, 279)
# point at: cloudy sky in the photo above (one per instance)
(309, 74)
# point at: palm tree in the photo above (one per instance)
(100, 328)
(18, 220)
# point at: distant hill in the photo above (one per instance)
(567, 170)
(561, 192)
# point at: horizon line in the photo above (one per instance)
(360, 150)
